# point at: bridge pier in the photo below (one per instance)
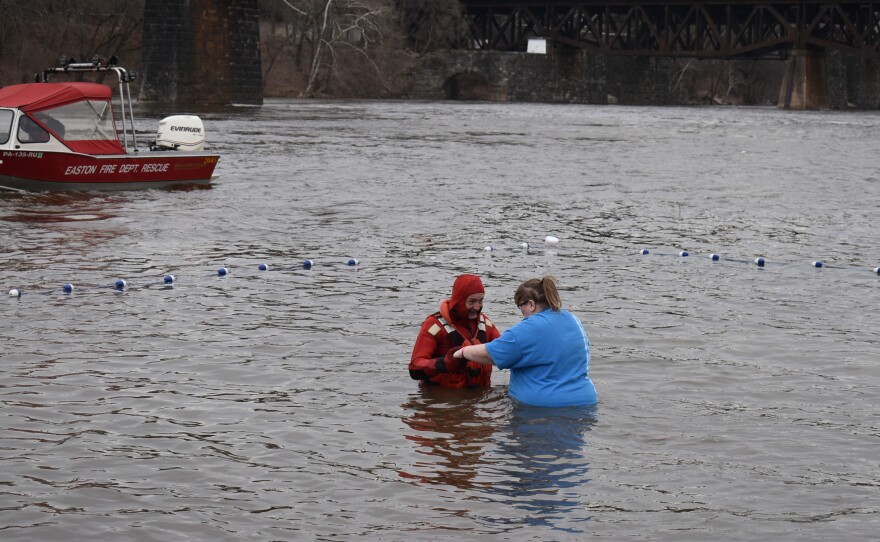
(855, 81)
(805, 83)
(867, 82)
(201, 52)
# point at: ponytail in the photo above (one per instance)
(541, 291)
(551, 294)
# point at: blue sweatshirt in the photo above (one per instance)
(548, 355)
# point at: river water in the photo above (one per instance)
(737, 402)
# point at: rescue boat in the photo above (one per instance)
(64, 136)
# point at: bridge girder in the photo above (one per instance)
(675, 28)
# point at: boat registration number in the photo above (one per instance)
(22, 154)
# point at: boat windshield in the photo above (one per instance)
(31, 132)
(88, 120)
(6, 117)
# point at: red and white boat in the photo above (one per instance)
(63, 136)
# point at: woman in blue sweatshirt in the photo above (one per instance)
(548, 352)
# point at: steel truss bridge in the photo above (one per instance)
(675, 28)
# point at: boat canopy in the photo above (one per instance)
(78, 114)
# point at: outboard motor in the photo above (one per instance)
(181, 133)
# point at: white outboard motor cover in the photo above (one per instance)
(181, 132)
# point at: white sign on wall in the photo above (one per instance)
(537, 46)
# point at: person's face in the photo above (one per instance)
(528, 308)
(474, 304)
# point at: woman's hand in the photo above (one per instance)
(475, 353)
(453, 361)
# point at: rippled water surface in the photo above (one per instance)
(736, 402)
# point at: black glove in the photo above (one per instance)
(453, 364)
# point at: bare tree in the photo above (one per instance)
(680, 83)
(337, 47)
(321, 38)
(428, 25)
(745, 81)
(35, 34)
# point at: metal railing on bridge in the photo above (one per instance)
(675, 28)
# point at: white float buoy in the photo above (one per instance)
(877, 270)
(489, 249)
(551, 240)
(524, 245)
(14, 293)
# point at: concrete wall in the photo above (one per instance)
(559, 76)
(575, 76)
(640, 80)
(201, 52)
(861, 77)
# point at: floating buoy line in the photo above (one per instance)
(168, 280)
(759, 261)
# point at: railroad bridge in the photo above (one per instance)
(831, 49)
(572, 51)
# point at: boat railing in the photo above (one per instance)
(98, 64)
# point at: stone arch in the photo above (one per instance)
(557, 77)
(467, 86)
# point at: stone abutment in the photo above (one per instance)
(811, 80)
(204, 52)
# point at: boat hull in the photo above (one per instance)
(41, 171)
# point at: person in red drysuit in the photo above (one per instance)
(459, 322)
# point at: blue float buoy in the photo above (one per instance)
(644, 251)
(308, 264)
(715, 257)
(817, 263)
(263, 267)
(759, 262)
(168, 279)
(684, 254)
(877, 270)
(352, 261)
(222, 271)
(120, 284)
(68, 288)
